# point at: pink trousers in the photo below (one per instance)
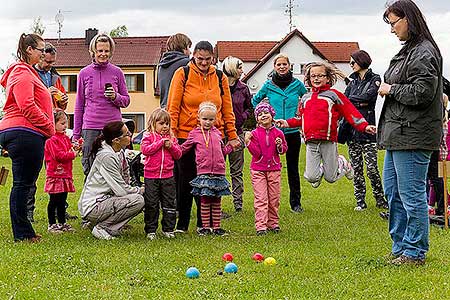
(266, 188)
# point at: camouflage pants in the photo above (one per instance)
(359, 152)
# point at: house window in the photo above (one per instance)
(135, 82)
(70, 83)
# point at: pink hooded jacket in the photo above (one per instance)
(210, 158)
(159, 161)
(264, 151)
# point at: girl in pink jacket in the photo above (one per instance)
(210, 184)
(59, 155)
(160, 148)
(265, 144)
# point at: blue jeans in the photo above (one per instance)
(404, 180)
(26, 150)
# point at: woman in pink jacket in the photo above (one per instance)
(160, 148)
(210, 184)
(265, 144)
(26, 124)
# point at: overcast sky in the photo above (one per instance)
(319, 20)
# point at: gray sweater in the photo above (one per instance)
(105, 180)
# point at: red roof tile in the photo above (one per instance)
(245, 50)
(130, 51)
(337, 51)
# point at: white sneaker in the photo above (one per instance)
(180, 231)
(151, 236)
(350, 173)
(317, 183)
(101, 234)
(169, 235)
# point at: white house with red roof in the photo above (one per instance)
(258, 56)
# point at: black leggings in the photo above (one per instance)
(57, 204)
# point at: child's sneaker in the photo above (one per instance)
(169, 235)
(349, 171)
(219, 231)
(431, 210)
(151, 236)
(317, 183)
(360, 206)
(54, 228)
(180, 231)
(66, 227)
(203, 231)
(101, 233)
(275, 229)
(261, 232)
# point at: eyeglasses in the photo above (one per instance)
(39, 49)
(319, 76)
(395, 22)
(352, 63)
(128, 134)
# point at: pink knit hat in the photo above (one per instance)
(264, 106)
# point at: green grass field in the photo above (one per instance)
(327, 252)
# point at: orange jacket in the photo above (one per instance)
(184, 99)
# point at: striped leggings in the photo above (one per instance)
(210, 211)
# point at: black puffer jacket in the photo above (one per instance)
(363, 95)
(411, 118)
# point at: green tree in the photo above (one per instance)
(37, 26)
(119, 31)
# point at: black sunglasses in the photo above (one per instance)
(39, 49)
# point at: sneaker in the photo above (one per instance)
(360, 206)
(224, 215)
(382, 204)
(71, 217)
(275, 229)
(297, 209)
(54, 228)
(317, 183)
(85, 224)
(431, 210)
(203, 231)
(219, 231)
(261, 232)
(151, 236)
(349, 171)
(177, 231)
(169, 234)
(66, 227)
(101, 233)
(391, 256)
(406, 260)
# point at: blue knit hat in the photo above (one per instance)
(264, 106)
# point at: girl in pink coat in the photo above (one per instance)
(160, 148)
(59, 155)
(210, 184)
(265, 144)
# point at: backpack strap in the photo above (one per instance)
(218, 73)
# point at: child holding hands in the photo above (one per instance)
(59, 154)
(160, 149)
(210, 184)
(265, 144)
(318, 115)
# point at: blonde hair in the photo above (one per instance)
(231, 65)
(207, 105)
(159, 114)
(332, 72)
(102, 38)
(281, 55)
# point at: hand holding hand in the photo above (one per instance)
(247, 137)
(371, 129)
(281, 123)
(384, 89)
(234, 143)
(142, 190)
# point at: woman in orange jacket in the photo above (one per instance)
(199, 81)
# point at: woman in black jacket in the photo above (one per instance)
(362, 92)
(410, 128)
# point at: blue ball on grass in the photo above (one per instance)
(231, 268)
(192, 273)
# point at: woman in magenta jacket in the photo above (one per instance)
(101, 93)
(26, 124)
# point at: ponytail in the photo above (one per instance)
(25, 41)
(109, 132)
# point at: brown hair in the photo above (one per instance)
(178, 42)
(158, 114)
(331, 71)
(102, 38)
(110, 131)
(281, 55)
(58, 114)
(25, 41)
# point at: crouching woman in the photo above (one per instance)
(107, 201)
